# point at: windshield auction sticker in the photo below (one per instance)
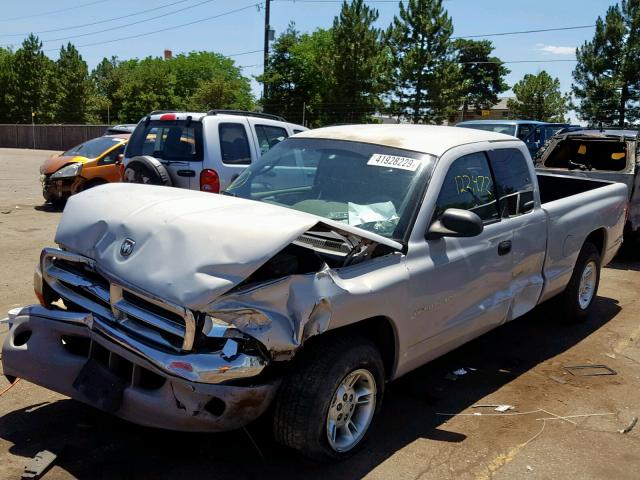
(392, 161)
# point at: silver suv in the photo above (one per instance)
(200, 151)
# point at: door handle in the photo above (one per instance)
(186, 173)
(504, 247)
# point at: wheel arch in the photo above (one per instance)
(599, 240)
(380, 330)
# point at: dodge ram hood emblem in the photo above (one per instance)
(127, 247)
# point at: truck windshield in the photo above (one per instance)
(368, 186)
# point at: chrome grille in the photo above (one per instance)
(79, 282)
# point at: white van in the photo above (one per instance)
(200, 151)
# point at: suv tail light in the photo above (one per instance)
(209, 181)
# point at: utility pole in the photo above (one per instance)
(267, 35)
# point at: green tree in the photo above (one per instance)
(75, 89)
(206, 80)
(147, 85)
(538, 97)
(481, 75)
(607, 76)
(221, 92)
(299, 76)
(425, 71)
(6, 81)
(107, 78)
(361, 64)
(32, 88)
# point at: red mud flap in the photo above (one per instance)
(100, 386)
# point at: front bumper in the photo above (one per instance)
(59, 189)
(167, 390)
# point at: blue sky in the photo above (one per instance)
(242, 31)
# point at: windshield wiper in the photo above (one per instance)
(227, 192)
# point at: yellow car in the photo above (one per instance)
(84, 166)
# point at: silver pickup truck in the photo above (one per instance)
(396, 244)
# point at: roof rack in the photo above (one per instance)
(220, 111)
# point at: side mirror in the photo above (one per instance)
(455, 223)
(119, 158)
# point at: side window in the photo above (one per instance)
(524, 131)
(113, 156)
(269, 136)
(513, 181)
(295, 130)
(469, 186)
(234, 144)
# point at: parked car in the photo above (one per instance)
(87, 165)
(606, 154)
(533, 134)
(394, 245)
(201, 151)
(123, 128)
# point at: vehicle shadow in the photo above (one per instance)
(49, 207)
(100, 446)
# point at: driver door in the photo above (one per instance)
(459, 287)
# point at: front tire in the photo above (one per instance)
(577, 299)
(326, 404)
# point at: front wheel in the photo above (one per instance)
(326, 404)
(577, 300)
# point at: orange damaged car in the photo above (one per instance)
(91, 163)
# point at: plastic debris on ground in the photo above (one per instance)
(497, 407)
(629, 427)
(39, 465)
(453, 376)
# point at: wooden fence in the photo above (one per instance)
(47, 137)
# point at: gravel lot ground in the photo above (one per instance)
(427, 429)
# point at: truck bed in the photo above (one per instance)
(555, 187)
(578, 210)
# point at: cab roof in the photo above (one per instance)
(431, 139)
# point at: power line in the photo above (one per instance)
(162, 30)
(94, 23)
(521, 32)
(53, 11)
(498, 62)
(137, 22)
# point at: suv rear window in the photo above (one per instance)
(173, 140)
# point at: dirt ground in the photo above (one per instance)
(428, 428)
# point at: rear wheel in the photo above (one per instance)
(325, 406)
(577, 299)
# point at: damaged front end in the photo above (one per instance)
(150, 360)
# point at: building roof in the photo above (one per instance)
(501, 105)
(432, 139)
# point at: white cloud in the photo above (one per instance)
(555, 50)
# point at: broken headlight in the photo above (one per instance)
(68, 171)
(223, 337)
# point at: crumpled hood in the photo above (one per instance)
(56, 162)
(190, 247)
